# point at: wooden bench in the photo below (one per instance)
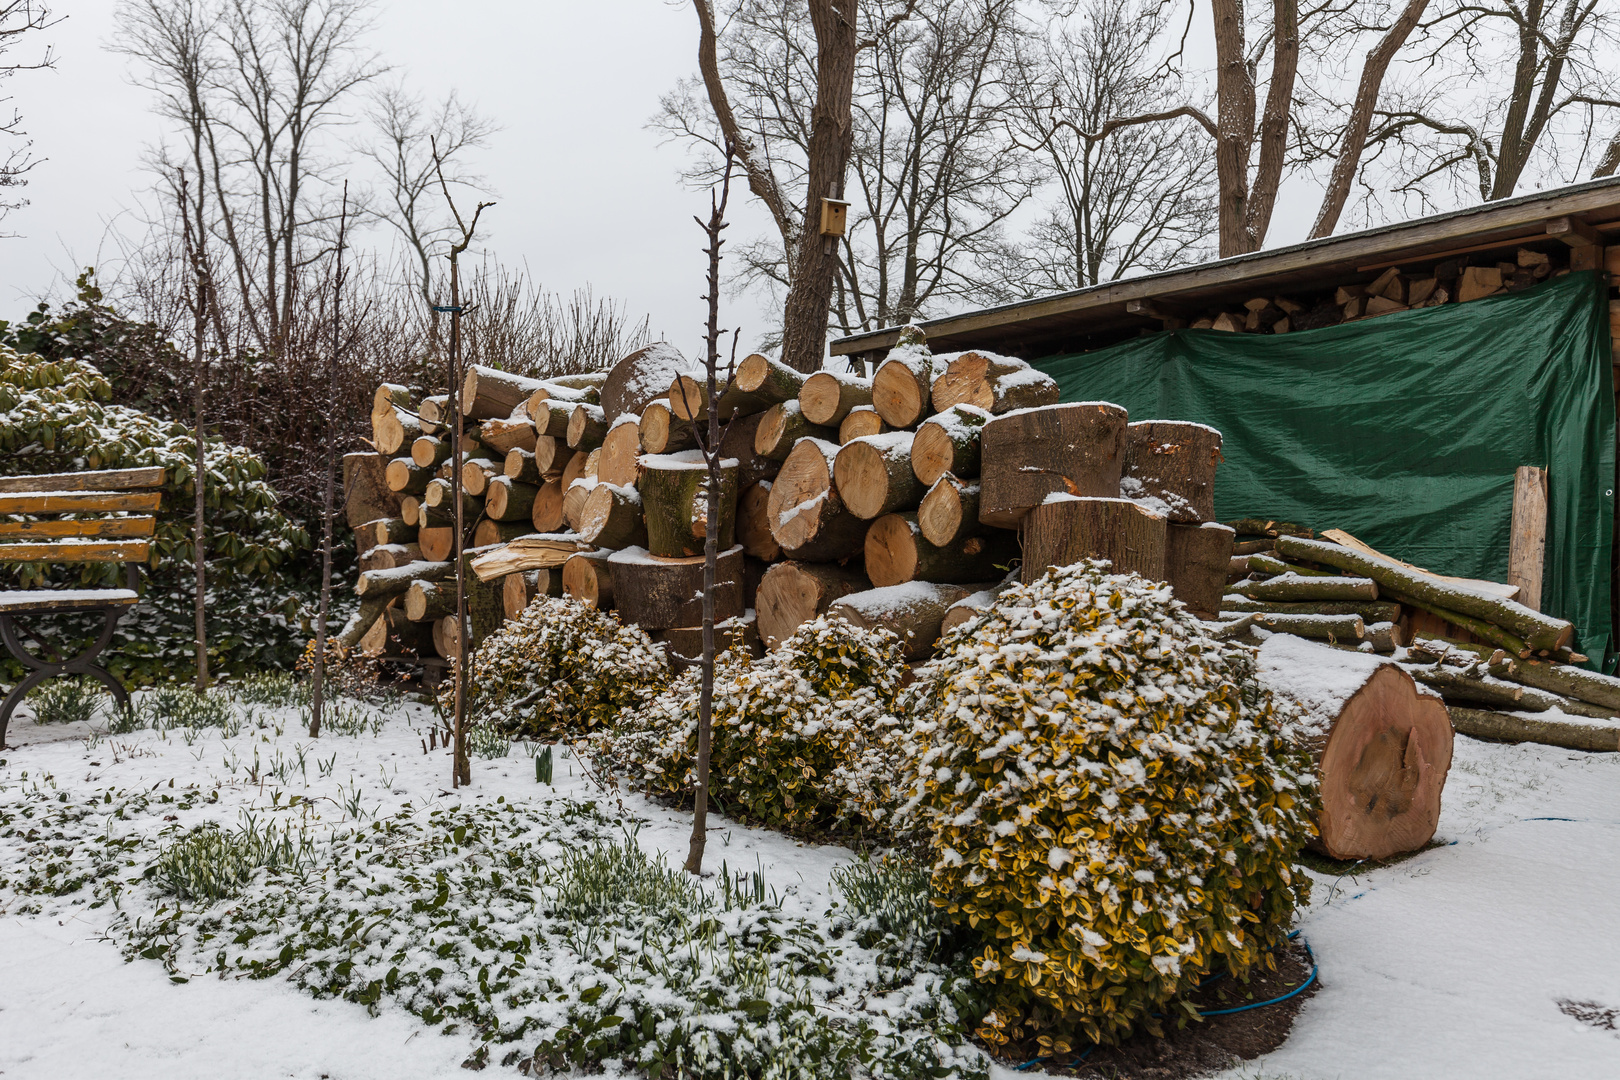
(124, 538)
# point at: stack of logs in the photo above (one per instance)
(904, 501)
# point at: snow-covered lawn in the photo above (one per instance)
(1452, 963)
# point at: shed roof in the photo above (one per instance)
(1099, 315)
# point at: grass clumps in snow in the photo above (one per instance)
(66, 701)
(796, 735)
(561, 669)
(212, 864)
(1110, 805)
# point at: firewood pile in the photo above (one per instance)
(894, 502)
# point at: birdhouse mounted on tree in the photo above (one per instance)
(833, 213)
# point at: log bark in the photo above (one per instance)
(1298, 587)
(863, 420)
(1569, 734)
(612, 518)
(1575, 682)
(552, 417)
(828, 396)
(437, 542)
(1065, 531)
(1538, 631)
(873, 475)
(807, 516)
(782, 426)
(997, 383)
(546, 515)
(657, 593)
(1382, 751)
(588, 578)
(587, 427)
(1170, 462)
(1195, 563)
(903, 385)
(487, 394)
(688, 399)
(641, 378)
(393, 431)
(386, 584)
(366, 495)
(949, 443)
(507, 433)
(1376, 612)
(769, 380)
(485, 611)
(533, 552)
(949, 512)
(429, 451)
(754, 523)
(793, 593)
(517, 590)
(897, 552)
(683, 645)
(1347, 628)
(1074, 449)
(429, 601)
(620, 449)
(476, 473)
(674, 494)
(662, 433)
(406, 477)
(912, 612)
(489, 532)
(738, 441)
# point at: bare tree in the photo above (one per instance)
(17, 19)
(202, 286)
(317, 693)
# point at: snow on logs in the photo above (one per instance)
(807, 515)
(487, 393)
(998, 384)
(949, 443)
(1065, 529)
(782, 426)
(640, 379)
(1171, 464)
(902, 386)
(873, 475)
(1196, 558)
(768, 380)
(1382, 746)
(913, 612)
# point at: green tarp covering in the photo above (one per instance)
(1405, 430)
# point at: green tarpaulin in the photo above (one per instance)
(1405, 430)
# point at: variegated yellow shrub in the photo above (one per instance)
(1112, 805)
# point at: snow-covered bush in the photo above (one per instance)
(1111, 803)
(796, 735)
(561, 669)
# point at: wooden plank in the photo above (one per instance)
(1611, 260)
(64, 599)
(77, 551)
(105, 480)
(1574, 232)
(1528, 542)
(1450, 253)
(74, 501)
(45, 530)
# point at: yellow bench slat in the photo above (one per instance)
(44, 530)
(104, 480)
(75, 501)
(77, 551)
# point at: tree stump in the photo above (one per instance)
(792, 593)
(897, 552)
(1170, 465)
(612, 518)
(912, 612)
(1074, 449)
(1196, 558)
(1069, 529)
(658, 593)
(782, 426)
(1382, 747)
(949, 443)
(674, 496)
(807, 516)
(997, 383)
(873, 475)
(588, 578)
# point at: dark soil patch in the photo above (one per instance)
(1330, 867)
(1200, 1048)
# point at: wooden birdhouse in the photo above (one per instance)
(833, 213)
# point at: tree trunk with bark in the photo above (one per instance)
(1065, 531)
(1173, 463)
(1196, 559)
(656, 593)
(674, 493)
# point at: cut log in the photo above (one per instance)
(366, 495)
(1549, 731)
(1332, 628)
(611, 517)
(389, 395)
(754, 523)
(620, 449)
(969, 606)
(1170, 465)
(476, 473)
(949, 512)
(508, 433)
(362, 621)
(641, 378)
(1375, 612)
(488, 532)
(552, 416)
(406, 477)
(1067, 529)
(445, 634)
(517, 590)
(575, 468)
(573, 503)
(782, 426)
(394, 430)
(793, 593)
(429, 601)
(737, 440)
(429, 451)
(1299, 587)
(828, 396)
(588, 578)
(386, 584)
(1076, 449)
(546, 515)
(656, 593)
(912, 612)
(1527, 542)
(683, 645)
(897, 552)
(807, 516)
(873, 475)
(998, 384)
(520, 466)
(949, 443)
(1477, 282)
(536, 551)
(395, 635)
(388, 556)
(769, 380)
(438, 496)
(688, 399)
(1382, 747)
(674, 493)
(1195, 562)
(587, 427)
(435, 409)
(903, 385)
(1575, 682)
(437, 542)
(391, 530)
(487, 394)
(1537, 630)
(662, 433)
(551, 391)
(863, 420)
(485, 611)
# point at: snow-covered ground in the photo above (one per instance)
(1452, 963)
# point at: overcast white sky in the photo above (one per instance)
(586, 193)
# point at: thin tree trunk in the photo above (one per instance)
(318, 687)
(1274, 124)
(199, 537)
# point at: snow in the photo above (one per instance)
(1182, 423)
(1318, 678)
(891, 599)
(891, 444)
(647, 375)
(65, 596)
(960, 421)
(640, 556)
(1064, 405)
(684, 459)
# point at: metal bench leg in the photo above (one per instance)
(82, 664)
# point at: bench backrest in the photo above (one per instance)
(80, 540)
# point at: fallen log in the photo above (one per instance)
(807, 516)
(828, 396)
(1382, 747)
(782, 426)
(1320, 627)
(949, 512)
(1377, 611)
(1195, 562)
(438, 497)
(588, 578)
(769, 380)
(386, 584)
(1066, 529)
(999, 384)
(793, 593)
(873, 475)
(612, 518)
(1297, 587)
(913, 612)
(1568, 733)
(1563, 679)
(1485, 631)
(897, 552)
(657, 593)
(675, 500)
(1065, 449)
(1170, 466)
(389, 395)
(949, 442)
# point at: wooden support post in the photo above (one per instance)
(1528, 543)
(1585, 245)
(1169, 318)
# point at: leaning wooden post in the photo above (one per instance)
(1528, 544)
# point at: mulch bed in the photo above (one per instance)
(1216, 1043)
